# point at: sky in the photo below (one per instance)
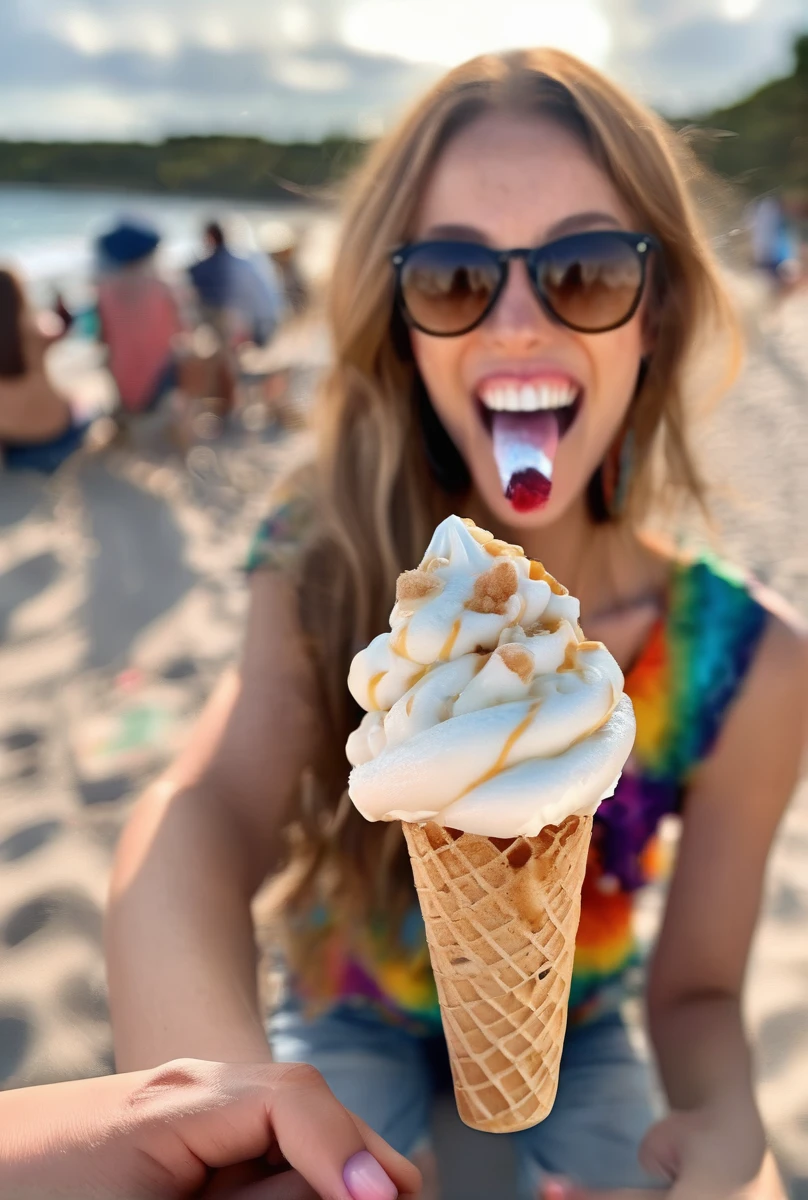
(125, 69)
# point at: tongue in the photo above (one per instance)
(525, 446)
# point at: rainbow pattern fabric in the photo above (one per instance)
(682, 686)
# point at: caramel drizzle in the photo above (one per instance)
(570, 662)
(448, 645)
(539, 571)
(374, 683)
(501, 762)
(399, 642)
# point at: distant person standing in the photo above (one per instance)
(239, 301)
(773, 246)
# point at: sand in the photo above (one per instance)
(121, 599)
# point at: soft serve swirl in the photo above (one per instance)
(487, 710)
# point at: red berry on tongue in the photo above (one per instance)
(528, 490)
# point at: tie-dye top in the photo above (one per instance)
(682, 685)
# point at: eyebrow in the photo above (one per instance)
(571, 224)
(584, 220)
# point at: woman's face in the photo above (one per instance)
(509, 182)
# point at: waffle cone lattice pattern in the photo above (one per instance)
(501, 920)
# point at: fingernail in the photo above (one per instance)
(366, 1180)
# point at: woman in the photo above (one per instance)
(37, 427)
(516, 300)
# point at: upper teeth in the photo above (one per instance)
(528, 397)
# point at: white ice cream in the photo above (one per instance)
(487, 711)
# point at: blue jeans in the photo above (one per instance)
(388, 1077)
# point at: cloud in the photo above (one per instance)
(701, 62)
(301, 68)
(453, 30)
(202, 85)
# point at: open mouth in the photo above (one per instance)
(526, 421)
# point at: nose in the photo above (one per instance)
(517, 316)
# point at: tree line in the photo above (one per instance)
(757, 144)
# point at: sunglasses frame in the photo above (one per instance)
(640, 243)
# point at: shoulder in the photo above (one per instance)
(779, 676)
(287, 527)
(756, 762)
(753, 650)
(715, 624)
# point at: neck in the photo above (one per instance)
(596, 562)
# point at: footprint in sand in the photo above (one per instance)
(179, 668)
(21, 739)
(105, 791)
(23, 582)
(26, 841)
(15, 1038)
(20, 751)
(69, 909)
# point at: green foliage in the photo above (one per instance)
(238, 167)
(762, 142)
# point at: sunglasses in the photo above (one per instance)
(591, 282)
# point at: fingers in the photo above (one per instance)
(324, 1143)
(225, 1115)
(399, 1168)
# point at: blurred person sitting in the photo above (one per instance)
(237, 299)
(139, 317)
(38, 428)
(152, 352)
(281, 247)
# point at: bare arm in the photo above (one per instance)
(731, 815)
(179, 935)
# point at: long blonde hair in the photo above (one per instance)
(374, 497)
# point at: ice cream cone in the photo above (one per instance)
(493, 729)
(501, 919)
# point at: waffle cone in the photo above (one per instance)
(501, 919)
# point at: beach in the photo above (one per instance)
(122, 598)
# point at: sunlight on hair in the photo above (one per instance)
(454, 30)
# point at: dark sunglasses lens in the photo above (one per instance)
(591, 283)
(447, 288)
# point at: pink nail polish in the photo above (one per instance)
(366, 1180)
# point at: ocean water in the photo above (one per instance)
(47, 233)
